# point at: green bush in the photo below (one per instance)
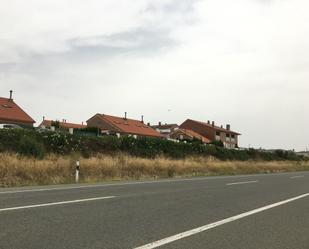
(218, 143)
(103, 144)
(34, 143)
(30, 147)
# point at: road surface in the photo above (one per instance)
(254, 211)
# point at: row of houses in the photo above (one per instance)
(207, 132)
(107, 125)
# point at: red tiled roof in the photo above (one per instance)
(196, 135)
(48, 123)
(11, 112)
(193, 134)
(217, 128)
(130, 126)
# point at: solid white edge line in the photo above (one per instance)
(238, 183)
(56, 203)
(211, 178)
(141, 182)
(216, 224)
(123, 184)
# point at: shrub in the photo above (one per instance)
(30, 147)
(218, 143)
(31, 142)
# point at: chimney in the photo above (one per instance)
(228, 127)
(43, 118)
(208, 122)
(148, 124)
(142, 120)
(213, 123)
(11, 94)
(125, 116)
(160, 123)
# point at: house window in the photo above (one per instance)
(233, 136)
(218, 137)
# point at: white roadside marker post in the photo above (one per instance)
(77, 172)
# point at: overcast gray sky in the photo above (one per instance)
(243, 62)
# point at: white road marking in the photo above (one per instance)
(238, 183)
(136, 183)
(293, 177)
(179, 236)
(119, 184)
(55, 203)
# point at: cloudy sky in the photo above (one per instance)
(243, 62)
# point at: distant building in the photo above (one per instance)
(111, 125)
(188, 135)
(11, 113)
(212, 132)
(165, 129)
(64, 125)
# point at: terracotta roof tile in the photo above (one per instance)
(196, 135)
(217, 128)
(11, 112)
(193, 134)
(130, 126)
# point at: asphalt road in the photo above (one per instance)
(254, 211)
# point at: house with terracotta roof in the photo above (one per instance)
(11, 113)
(212, 132)
(118, 126)
(62, 125)
(165, 129)
(188, 135)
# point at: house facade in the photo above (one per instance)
(119, 126)
(212, 132)
(11, 113)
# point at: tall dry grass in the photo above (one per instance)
(20, 171)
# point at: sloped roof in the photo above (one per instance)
(48, 123)
(130, 126)
(217, 128)
(196, 135)
(193, 134)
(11, 112)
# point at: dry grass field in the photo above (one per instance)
(21, 171)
